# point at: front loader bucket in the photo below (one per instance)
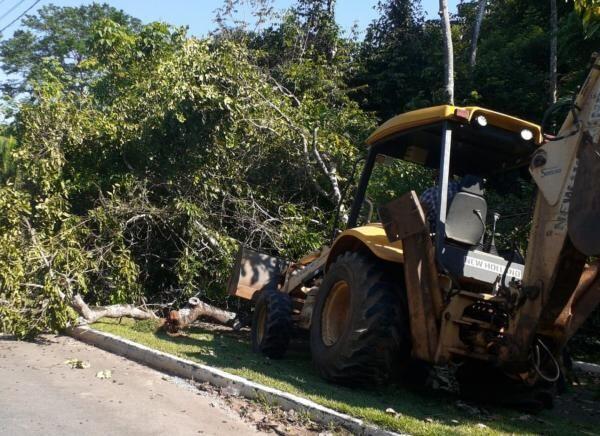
(254, 271)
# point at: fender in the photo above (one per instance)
(371, 237)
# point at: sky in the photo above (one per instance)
(199, 14)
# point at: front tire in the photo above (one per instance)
(272, 324)
(359, 330)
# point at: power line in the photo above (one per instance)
(11, 9)
(20, 16)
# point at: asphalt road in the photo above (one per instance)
(41, 395)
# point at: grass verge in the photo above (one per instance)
(419, 413)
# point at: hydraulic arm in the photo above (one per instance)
(559, 290)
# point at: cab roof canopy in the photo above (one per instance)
(480, 146)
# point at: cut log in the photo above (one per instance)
(90, 315)
(176, 320)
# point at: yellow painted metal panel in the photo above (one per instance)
(437, 114)
(373, 236)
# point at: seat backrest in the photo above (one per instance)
(465, 221)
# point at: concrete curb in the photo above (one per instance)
(191, 370)
(586, 367)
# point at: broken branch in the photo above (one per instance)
(90, 315)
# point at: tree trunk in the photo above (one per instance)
(332, 49)
(180, 319)
(553, 52)
(448, 52)
(476, 31)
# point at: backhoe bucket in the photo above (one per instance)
(254, 271)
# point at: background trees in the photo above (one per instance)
(400, 52)
(55, 35)
(141, 157)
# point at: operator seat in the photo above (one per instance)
(462, 254)
(465, 221)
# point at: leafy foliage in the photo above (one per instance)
(590, 14)
(7, 145)
(55, 35)
(142, 187)
(400, 60)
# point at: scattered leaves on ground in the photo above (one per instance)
(105, 374)
(77, 363)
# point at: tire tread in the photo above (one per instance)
(370, 353)
(278, 324)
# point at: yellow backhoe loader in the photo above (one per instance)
(405, 290)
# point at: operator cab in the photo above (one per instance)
(458, 141)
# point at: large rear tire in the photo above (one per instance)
(359, 332)
(272, 324)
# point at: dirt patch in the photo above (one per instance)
(266, 417)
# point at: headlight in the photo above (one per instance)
(481, 120)
(526, 135)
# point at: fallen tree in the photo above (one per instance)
(174, 321)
